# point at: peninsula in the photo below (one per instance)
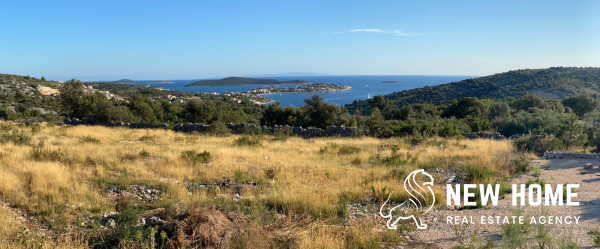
(234, 81)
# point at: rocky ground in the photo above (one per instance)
(558, 171)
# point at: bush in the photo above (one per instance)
(144, 153)
(196, 158)
(396, 159)
(478, 174)
(271, 172)
(41, 154)
(16, 137)
(248, 141)
(520, 165)
(343, 202)
(596, 236)
(218, 129)
(88, 139)
(398, 174)
(347, 150)
(515, 235)
(239, 176)
(538, 144)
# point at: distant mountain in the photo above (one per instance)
(233, 81)
(551, 83)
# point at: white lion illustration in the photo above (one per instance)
(418, 198)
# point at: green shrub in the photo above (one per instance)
(88, 139)
(515, 235)
(248, 141)
(596, 236)
(356, 161)
(218, 129)
(379, 194)
(520, 165)
(41, 154)
(395, 159)
(538, 144)
(478, 174)
(347, 150)
(196, 158)
(16, 137)
(239, 176)
(398, 174)
(148, 138)
(343, 202)
(144, 153)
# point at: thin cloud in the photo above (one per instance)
(368, 30)
(382, 31)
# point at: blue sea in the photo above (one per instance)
(363, 87)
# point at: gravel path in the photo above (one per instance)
(557, 171)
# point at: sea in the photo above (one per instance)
(363, 87)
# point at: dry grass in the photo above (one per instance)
(295, 177)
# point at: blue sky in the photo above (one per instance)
(104, 40)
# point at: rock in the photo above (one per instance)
(588, 166)
(154, 221)
(111, 223)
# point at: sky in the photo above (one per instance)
(109, 40)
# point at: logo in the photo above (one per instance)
(420, 194)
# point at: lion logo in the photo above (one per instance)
(418, 198)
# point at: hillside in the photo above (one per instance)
(551, 83)
(233, 81)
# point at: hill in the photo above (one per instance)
(552, 83)
(233, 81)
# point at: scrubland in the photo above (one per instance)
(57, 184)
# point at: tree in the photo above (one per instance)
(384, 105)
(499, 110)
(527, 102)
(572, 134)
(595, 139)
(197, 111)
(466, 107)
(317, 113)
(71, 96)
(581, 104)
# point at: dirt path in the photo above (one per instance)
(557, 171)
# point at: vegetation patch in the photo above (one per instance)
(196, 158)
(348, 150)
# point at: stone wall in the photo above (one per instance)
(148, 126)
(91, 121)
(191, 127)
(569, 155)
(491, 135)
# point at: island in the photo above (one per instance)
(235, 81)
(129, 81)
(305, 88)
(124, 81)
(158, 82)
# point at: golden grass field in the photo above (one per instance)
(60, 179)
